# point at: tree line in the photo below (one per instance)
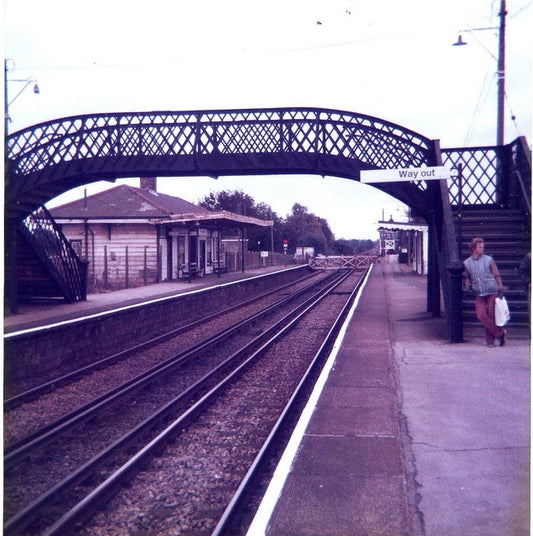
(299, 228)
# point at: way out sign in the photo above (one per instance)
(405, 174)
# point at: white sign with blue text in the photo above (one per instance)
(405, 174)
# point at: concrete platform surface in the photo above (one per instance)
(467, 408)
(410, 435)
(32, 315)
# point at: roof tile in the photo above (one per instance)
(127, 202)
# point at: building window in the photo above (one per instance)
(77, 247)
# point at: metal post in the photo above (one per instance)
(455, 321)
(433, 279)
(145, 265)
(105, 267)
(459, 208)
(127, 268)
(84, 269)
(6, 108)
(242, 250)
(218, 250)
(188, 255)
(197, 248)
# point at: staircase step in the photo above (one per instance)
(507, 237)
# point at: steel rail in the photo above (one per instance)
(68, 522)
(35, 392)
(17, 450)
(244, 489)
(28, 514)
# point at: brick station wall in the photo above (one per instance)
(43, 351)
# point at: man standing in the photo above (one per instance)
(481, 275)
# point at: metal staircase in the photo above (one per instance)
(490, 196)
(507, 239)
(48, 267)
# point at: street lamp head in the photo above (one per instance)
(36, 89)
(456, 171)
(460, 42)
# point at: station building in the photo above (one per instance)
(406, 242)
(136, 236)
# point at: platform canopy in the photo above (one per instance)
(402, 226)
(221, 219)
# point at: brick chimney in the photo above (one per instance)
(149, 183)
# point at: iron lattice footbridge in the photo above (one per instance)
(47, 159)
(50, 158)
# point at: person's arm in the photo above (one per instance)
(497, 276)
(467, 284)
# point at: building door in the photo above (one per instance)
(180, 257)
(193, 249)
(201, 264)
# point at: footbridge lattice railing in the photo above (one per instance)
(490, 176)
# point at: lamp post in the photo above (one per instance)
(456, 173)
(501, 70)
(7, 102)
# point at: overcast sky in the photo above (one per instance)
(387, 58)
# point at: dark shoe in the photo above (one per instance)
(503, 339)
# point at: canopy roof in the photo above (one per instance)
(214, 220)
(126, 203)
(402, 226)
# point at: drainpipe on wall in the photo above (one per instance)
(242, 250)
(90, 258)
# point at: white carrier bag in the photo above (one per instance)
(501, 312)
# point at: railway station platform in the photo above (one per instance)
(405, 435)
(34, 315)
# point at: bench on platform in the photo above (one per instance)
(220, 270)
(219, 267)
(191, 271)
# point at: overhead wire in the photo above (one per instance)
(481, 100)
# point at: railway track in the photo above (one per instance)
(201, 376)
(21, 395)
(16, 449)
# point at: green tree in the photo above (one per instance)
(343, 247)
(303, 228)
(300, 227)
(353, 246)
(239, 202)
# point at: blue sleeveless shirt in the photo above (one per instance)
(482, 279)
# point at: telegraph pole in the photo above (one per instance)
(501, 76)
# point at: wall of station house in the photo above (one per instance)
(124, 255)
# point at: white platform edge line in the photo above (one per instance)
(132, 306)
(262, 517)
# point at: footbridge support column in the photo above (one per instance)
(455, 321)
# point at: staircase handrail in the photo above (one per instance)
(522, 166)
(523, 190)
